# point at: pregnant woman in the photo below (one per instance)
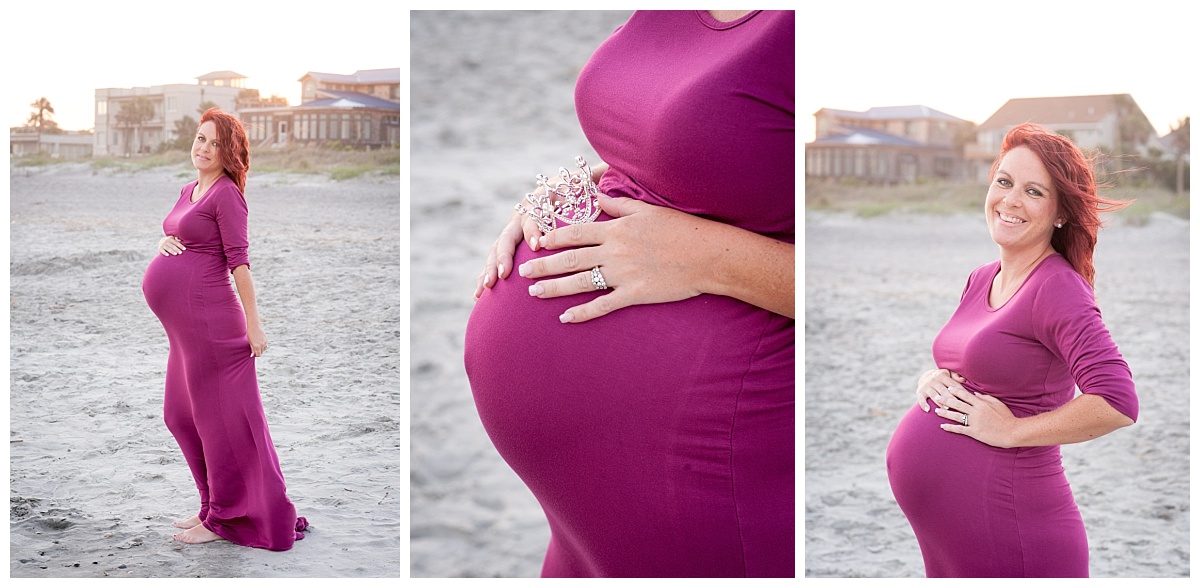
(644, 389)
(211, 402)
(980, 478)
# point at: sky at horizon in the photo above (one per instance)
(963, 59)
(968, 59)
(273, 45)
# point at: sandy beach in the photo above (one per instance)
(95, 477)
(492, 107)
(876, 292)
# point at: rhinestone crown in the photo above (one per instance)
(572, 199)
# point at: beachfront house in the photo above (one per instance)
(1112, 124)
(64, 144)
(360, 110)
(139, 120)
(887, 144)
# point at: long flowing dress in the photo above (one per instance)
(660, 439)
(983, 511)
(211, 402)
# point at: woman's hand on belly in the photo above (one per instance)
(934, 384)
(170, 245)
(500, 257)
(520, 227)
(987, 419)
(1083, 418)
(650, 254)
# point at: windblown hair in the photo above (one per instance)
(235, 147)
(1079, 204)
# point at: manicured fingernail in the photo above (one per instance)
(542, 241)
(533, 243)
(566, 317)
(536, 290)
(500, 270)
(524, 269)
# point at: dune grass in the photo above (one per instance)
(939, 197)
(336, 162)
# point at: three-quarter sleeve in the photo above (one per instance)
(232, 214)
(1068, 322)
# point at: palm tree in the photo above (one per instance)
(185, 129)
(40, 117)
(205, 105)
(133, 114)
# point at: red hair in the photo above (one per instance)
(1079, 204)
(235, 147)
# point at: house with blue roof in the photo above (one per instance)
(888, 144)
(361, 110)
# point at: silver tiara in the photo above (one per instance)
(572, 199)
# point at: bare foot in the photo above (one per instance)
(188, 524)
(197, 534)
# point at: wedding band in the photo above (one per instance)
(598, 279)
(964, 420)
(521, 209)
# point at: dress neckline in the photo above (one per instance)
(719, 25)
(987, 292)
(206, 192)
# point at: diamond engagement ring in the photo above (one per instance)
(572, 200)
(598, 279)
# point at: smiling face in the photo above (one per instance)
(1021, 204)
(206, 149)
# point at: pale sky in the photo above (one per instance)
(962, 58)
(968, 58)
(66, 50)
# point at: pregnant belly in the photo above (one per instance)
(979, 510)
(177, 287)
(652, 380)
(924, 461)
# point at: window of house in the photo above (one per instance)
(943, 166)
(172, 103)
(102, 107)
(321, 122)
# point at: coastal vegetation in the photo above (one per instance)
(333, 160)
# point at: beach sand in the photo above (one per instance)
(95, 477)
(492, 107)
(876, 292)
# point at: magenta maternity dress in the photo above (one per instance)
(983, 511)
(211, 404)
(660, 439)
